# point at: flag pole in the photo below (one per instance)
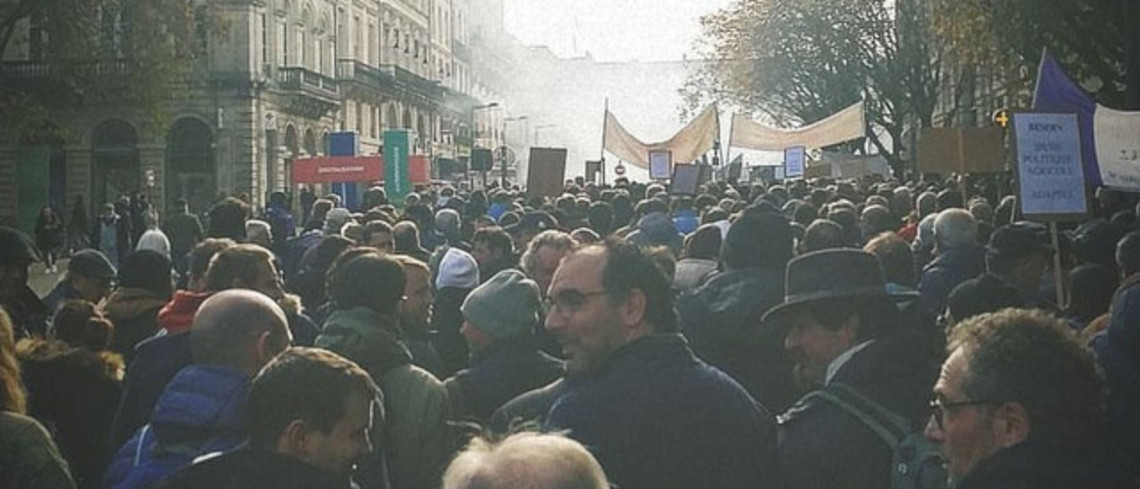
(727, 147)
(602, 152)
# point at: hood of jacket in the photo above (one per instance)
(366, 337)
(658, 228)
(730, 303)
(132, 302)
(178, 314)
(35, 352)
(201, 400)
(967, 261)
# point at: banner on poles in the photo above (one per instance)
(842, 126)
(694, 140)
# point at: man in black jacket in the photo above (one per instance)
(841, 328)
(311, 412)
(721, 319)
(1020, 403)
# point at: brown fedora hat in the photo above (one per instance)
(830, 274)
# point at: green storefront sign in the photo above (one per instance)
(396, 182)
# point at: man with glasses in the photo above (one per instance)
(653, 414)
(1019, 403)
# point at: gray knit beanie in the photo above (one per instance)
(505, 306)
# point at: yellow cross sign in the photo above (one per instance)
(1001, 117)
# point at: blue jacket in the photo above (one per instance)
(656, 417)
(157, 360)
(202, 411)
(1118, 352)
(949, 269)
(686, 221)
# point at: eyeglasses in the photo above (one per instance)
(938, 409)
(568, 302)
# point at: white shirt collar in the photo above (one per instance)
(842, 359)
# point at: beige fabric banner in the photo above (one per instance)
(844, 125)
(687, 146)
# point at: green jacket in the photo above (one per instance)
(415, 441)
(28, 458)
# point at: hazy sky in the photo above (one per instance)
(611, 30)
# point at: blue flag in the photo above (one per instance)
(1056, 93)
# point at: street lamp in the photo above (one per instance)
(503, 155)
(475, 133)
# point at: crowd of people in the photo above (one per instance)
(863, 333)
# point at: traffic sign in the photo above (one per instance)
(1001, 118)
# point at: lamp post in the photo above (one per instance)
(475, 133)
(503, 156)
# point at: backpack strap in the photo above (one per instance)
(890, 427)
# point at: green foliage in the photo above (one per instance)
(97, 53)
(1087, 36)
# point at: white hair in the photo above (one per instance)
(955, 227)
(525, 461)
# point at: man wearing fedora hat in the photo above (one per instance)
(843, 330)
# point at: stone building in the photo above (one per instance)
(274, 83)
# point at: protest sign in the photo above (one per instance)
(686, 179)
(794, 162)
(1050, 176)
(546, 172)
(660, 165)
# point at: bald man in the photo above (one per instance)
(235, 333)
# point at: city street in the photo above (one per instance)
(41, 282)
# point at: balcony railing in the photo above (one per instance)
(296, 78)
(387, 76)
(35, 70)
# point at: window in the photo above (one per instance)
(371, 43)
(283, 43)
(359, 118)
(36, 37)
(263, 28)
(358, 33)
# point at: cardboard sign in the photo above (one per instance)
(660, 165)
(546, 172)
(593, 169)
(795, 162)
(686, 179)
(968, 150)
(1051, 181)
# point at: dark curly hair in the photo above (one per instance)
(1029, 357)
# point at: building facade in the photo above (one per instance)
(274, 83)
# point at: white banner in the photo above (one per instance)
(1118, 147)
(694, 140)
(844, 125)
